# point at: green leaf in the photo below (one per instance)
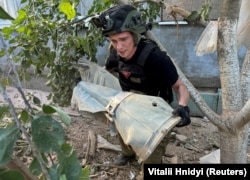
(67, 149)
(193, 16)
(63, 177)
(5, 15)
(2, 52)
(67, 9)
(7, 31)
(24, 116)
(36, 100)
(10, 174)
(5, 81)
(21, 29)
(35, 167)
(22, 15)
(53, 172)
(205, 12)
(48, 134)
(8, 137)
(65, 118)
(85, 173)
(69, 163)
(4, 109)
(48, 109)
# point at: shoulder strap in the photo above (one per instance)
(145, 52)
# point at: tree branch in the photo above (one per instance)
(245, 77)
(243, 116)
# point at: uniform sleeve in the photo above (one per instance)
(112, 60)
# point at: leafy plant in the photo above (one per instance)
(47, 138)
(203, 14)
(48, 36)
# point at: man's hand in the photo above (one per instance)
(183, 112)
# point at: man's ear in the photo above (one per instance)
(110, 46)
(136, 38)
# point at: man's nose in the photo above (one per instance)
(119, 45)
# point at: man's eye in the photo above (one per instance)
(124, 39)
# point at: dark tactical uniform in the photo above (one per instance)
(152, 75)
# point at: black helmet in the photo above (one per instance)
(120, 18)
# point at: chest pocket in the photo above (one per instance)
(131, 72)
(131, 77)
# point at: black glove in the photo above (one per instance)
(183, 112)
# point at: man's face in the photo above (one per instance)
(124, 44)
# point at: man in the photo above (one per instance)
(142, 67)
